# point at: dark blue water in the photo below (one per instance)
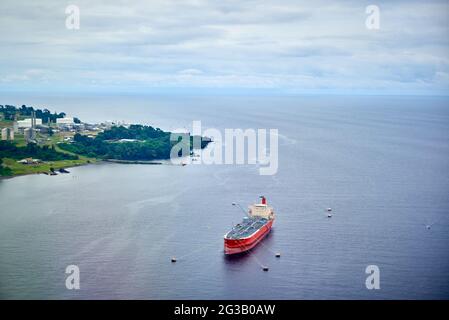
(381, 163)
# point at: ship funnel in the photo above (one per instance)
(264, 200)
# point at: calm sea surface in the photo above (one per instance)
(381, 163)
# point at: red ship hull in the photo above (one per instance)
(234, 246)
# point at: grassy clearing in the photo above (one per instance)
(19, 169)
(6, 123)
(19, 140)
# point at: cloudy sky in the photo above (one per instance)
(273, 46)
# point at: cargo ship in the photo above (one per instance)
(254, 227)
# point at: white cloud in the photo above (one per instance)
(283, 45)
(191, 72)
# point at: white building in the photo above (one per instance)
(29, 134)
(8, 134)
(65, 121)
(27, 123)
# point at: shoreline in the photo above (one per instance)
(38, 173)
(96, 161)
(151, 162)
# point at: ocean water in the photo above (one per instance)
(381, 163)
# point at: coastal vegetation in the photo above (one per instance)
(13, 168)
(11, 113)
(4, 171)
(32, 150)
(42, 158)
(138, 142)
(56, 147)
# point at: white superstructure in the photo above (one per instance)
(261, 210)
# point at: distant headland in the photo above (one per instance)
(39, 141)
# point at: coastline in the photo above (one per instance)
(37, 173)
(151, 162)
(92, 162)
(55, 147)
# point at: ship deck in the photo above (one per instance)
(246, 228)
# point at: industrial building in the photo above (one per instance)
(8, 134)
(29, 134)
(28, 123)
(64, 122)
